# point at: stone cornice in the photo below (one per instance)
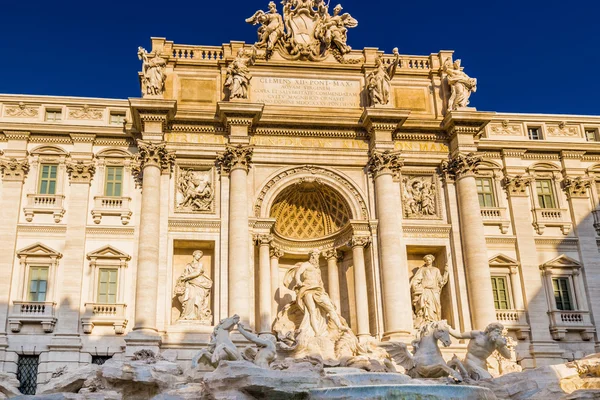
(17, 135)
(235, 157)
(466, 122)
(148, 110)
(383, 119)
(13, 169)
(239, 113)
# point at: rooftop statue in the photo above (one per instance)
(461, 85)
(307, 30)
(153, 73)
(238, 74)
(378, 80)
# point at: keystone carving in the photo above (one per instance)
(387, 162)
(81, 171)
(516, 185)
(461, 165)
(235, 157)
(576, 187)
(14, 170)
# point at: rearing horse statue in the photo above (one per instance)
(427, 360)
(220, 347)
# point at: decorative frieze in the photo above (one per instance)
(21, 110)
(195, 191)
(562, 130)
(577, 187)
(155, 154)
(14, 170)
(86, 113)
(505, 128)
(234, 157)
(419, 197)
(461, 165)
(384, 162)
(81, 171)
(516, 185)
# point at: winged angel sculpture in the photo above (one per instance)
(306, 31)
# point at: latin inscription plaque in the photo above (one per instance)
(304, 92)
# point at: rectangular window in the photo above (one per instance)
(590, 135)
(107, 286)
(485, 192)
(48, 179)
(545, 193)
(27, 371)
(534, 133)
(38, 283)
(500, 291)
(562, 294)
(53, 115)
(114, 182)
(117, 118)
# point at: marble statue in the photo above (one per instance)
(461, 85)
(418, 197)
(195, 192)
(193, 290)
(481, 346)
(333, 29)
(220, 348)
(426, 286)
(267, 348)
(271, 30)
(378, 81)
(238, 74)
(427, 360)
(153, 73)
(498, 365)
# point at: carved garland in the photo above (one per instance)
(312, 170)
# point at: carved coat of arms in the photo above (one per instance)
(307, 30)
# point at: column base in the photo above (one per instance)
(142, 339)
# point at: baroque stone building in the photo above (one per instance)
(261, 155)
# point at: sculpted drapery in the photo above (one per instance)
(426, 286)
(193, 288)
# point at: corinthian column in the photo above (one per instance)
(462, 168)
(236, 161)
(153, 159)
(275, 254)
(394, 272)
(333, 276)
(358, 244)
(264, 283)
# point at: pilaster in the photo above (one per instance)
(381, 123)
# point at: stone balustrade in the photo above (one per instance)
(45, 204)
(543, 217)
(206, 54)
(117, 206)
(97, 314)
(496, 216)
(562, 322)
(32, 312)
(514, 320)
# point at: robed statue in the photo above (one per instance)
(461, 85)
(153, 73)
(378, 81)
(426, 286)
(238, 74)
(193, 290)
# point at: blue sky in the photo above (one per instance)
(528, 56)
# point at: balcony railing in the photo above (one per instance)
(104, 314)
(565, 321)
(32, 312)
(543, 217)
(496, 216)
(106, 205)
(514, 320)
(45, 204)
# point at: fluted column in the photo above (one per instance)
(397, 310)
(153, 158)
(461, 168)
(275, 255)
(264, 283)
(236, 161)
(358, 244)
(333, 277)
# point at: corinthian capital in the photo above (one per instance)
(577, 187)
(235, 157)
(384, 162)
(276, 252)
(155, 154)
(14, 170)
(81, 171)
(360, 241)
(516, 185)
(461, 165)
(263, 239)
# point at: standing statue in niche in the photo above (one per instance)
(378, 81)
(461, 85)
(426, 286)
(238, 74)
(193, 290)
(272, 28)
(153, 73)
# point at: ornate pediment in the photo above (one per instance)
(38, 250)
(108, 252)
(307, 31)
(561, 261)
(500, 260)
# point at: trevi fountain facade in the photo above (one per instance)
(295, 203)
